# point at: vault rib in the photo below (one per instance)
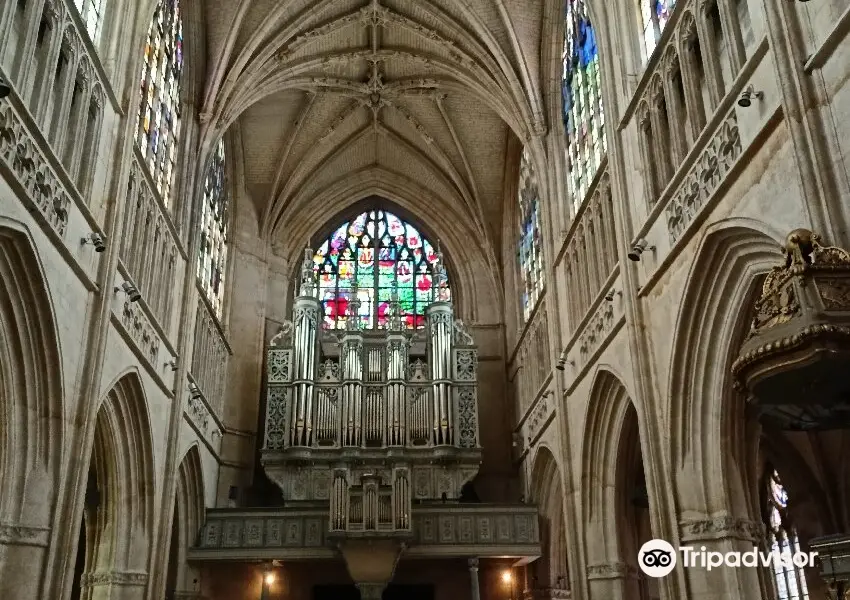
(302, 118)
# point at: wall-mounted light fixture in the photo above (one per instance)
(96, 240)
(639, 248)
(746, 98)
(128, 288)
(194, 390)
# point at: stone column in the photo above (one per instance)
(115, 585)
(23, 551)
(613, 580)
(371, 591)
(473, 579)
(723, 534)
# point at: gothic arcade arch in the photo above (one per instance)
(30, 382)
(548, 493)
(119, 506)
(187, 519)
(31, 409)
(709, 442)
(612, 467)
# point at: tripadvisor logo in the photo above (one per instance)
(658, 558)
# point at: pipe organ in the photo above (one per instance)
(368, 421)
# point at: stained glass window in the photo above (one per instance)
(376, 252)
(781, 537)
(159, 108)
(530, 251)
(584, 118)
(212, 255)
(654, 15)
(91, 12)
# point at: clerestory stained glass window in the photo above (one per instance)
(654, 15)
(212, 255)
(530, 245)
(159, 108)
(376, 252)
(782, 538)
(584, 118)
(91, 12)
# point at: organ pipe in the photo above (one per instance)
(305, 351)
(440, 325)
(352, 377)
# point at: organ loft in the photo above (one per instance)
(366, 430)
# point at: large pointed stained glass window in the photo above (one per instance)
(375, 253)
(91, 12)
(212, 255)
(159, 108)
(654, 14)
(530, 251)
(782, 538)
(583, 115)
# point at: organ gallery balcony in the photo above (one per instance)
(302, 531)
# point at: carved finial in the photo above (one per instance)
(308, 275)
(395, 311)
(440, 277)
(352, 321)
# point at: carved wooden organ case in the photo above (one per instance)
(369, 421)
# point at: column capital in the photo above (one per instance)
(473, 564)
(114, 578)
(371, 591)
(722, 527)
(16, 534)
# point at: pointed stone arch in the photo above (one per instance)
(612, 471)
(31, 411)
(714, 441)
(471, 264)
(120, 500)
(547, 492)
(187, 520)
(707, 417)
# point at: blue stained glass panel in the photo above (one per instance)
(582, 101)
(529, 252)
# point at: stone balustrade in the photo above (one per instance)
(439, 530)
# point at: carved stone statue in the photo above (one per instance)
(282, 336)
(462, 335)
(799, 245)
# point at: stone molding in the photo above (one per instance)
(547, 594)
(720, 528)
(187, 596)
(122, 578)
(612, 570)
(13, 534)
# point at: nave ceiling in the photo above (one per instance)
(335, 98)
